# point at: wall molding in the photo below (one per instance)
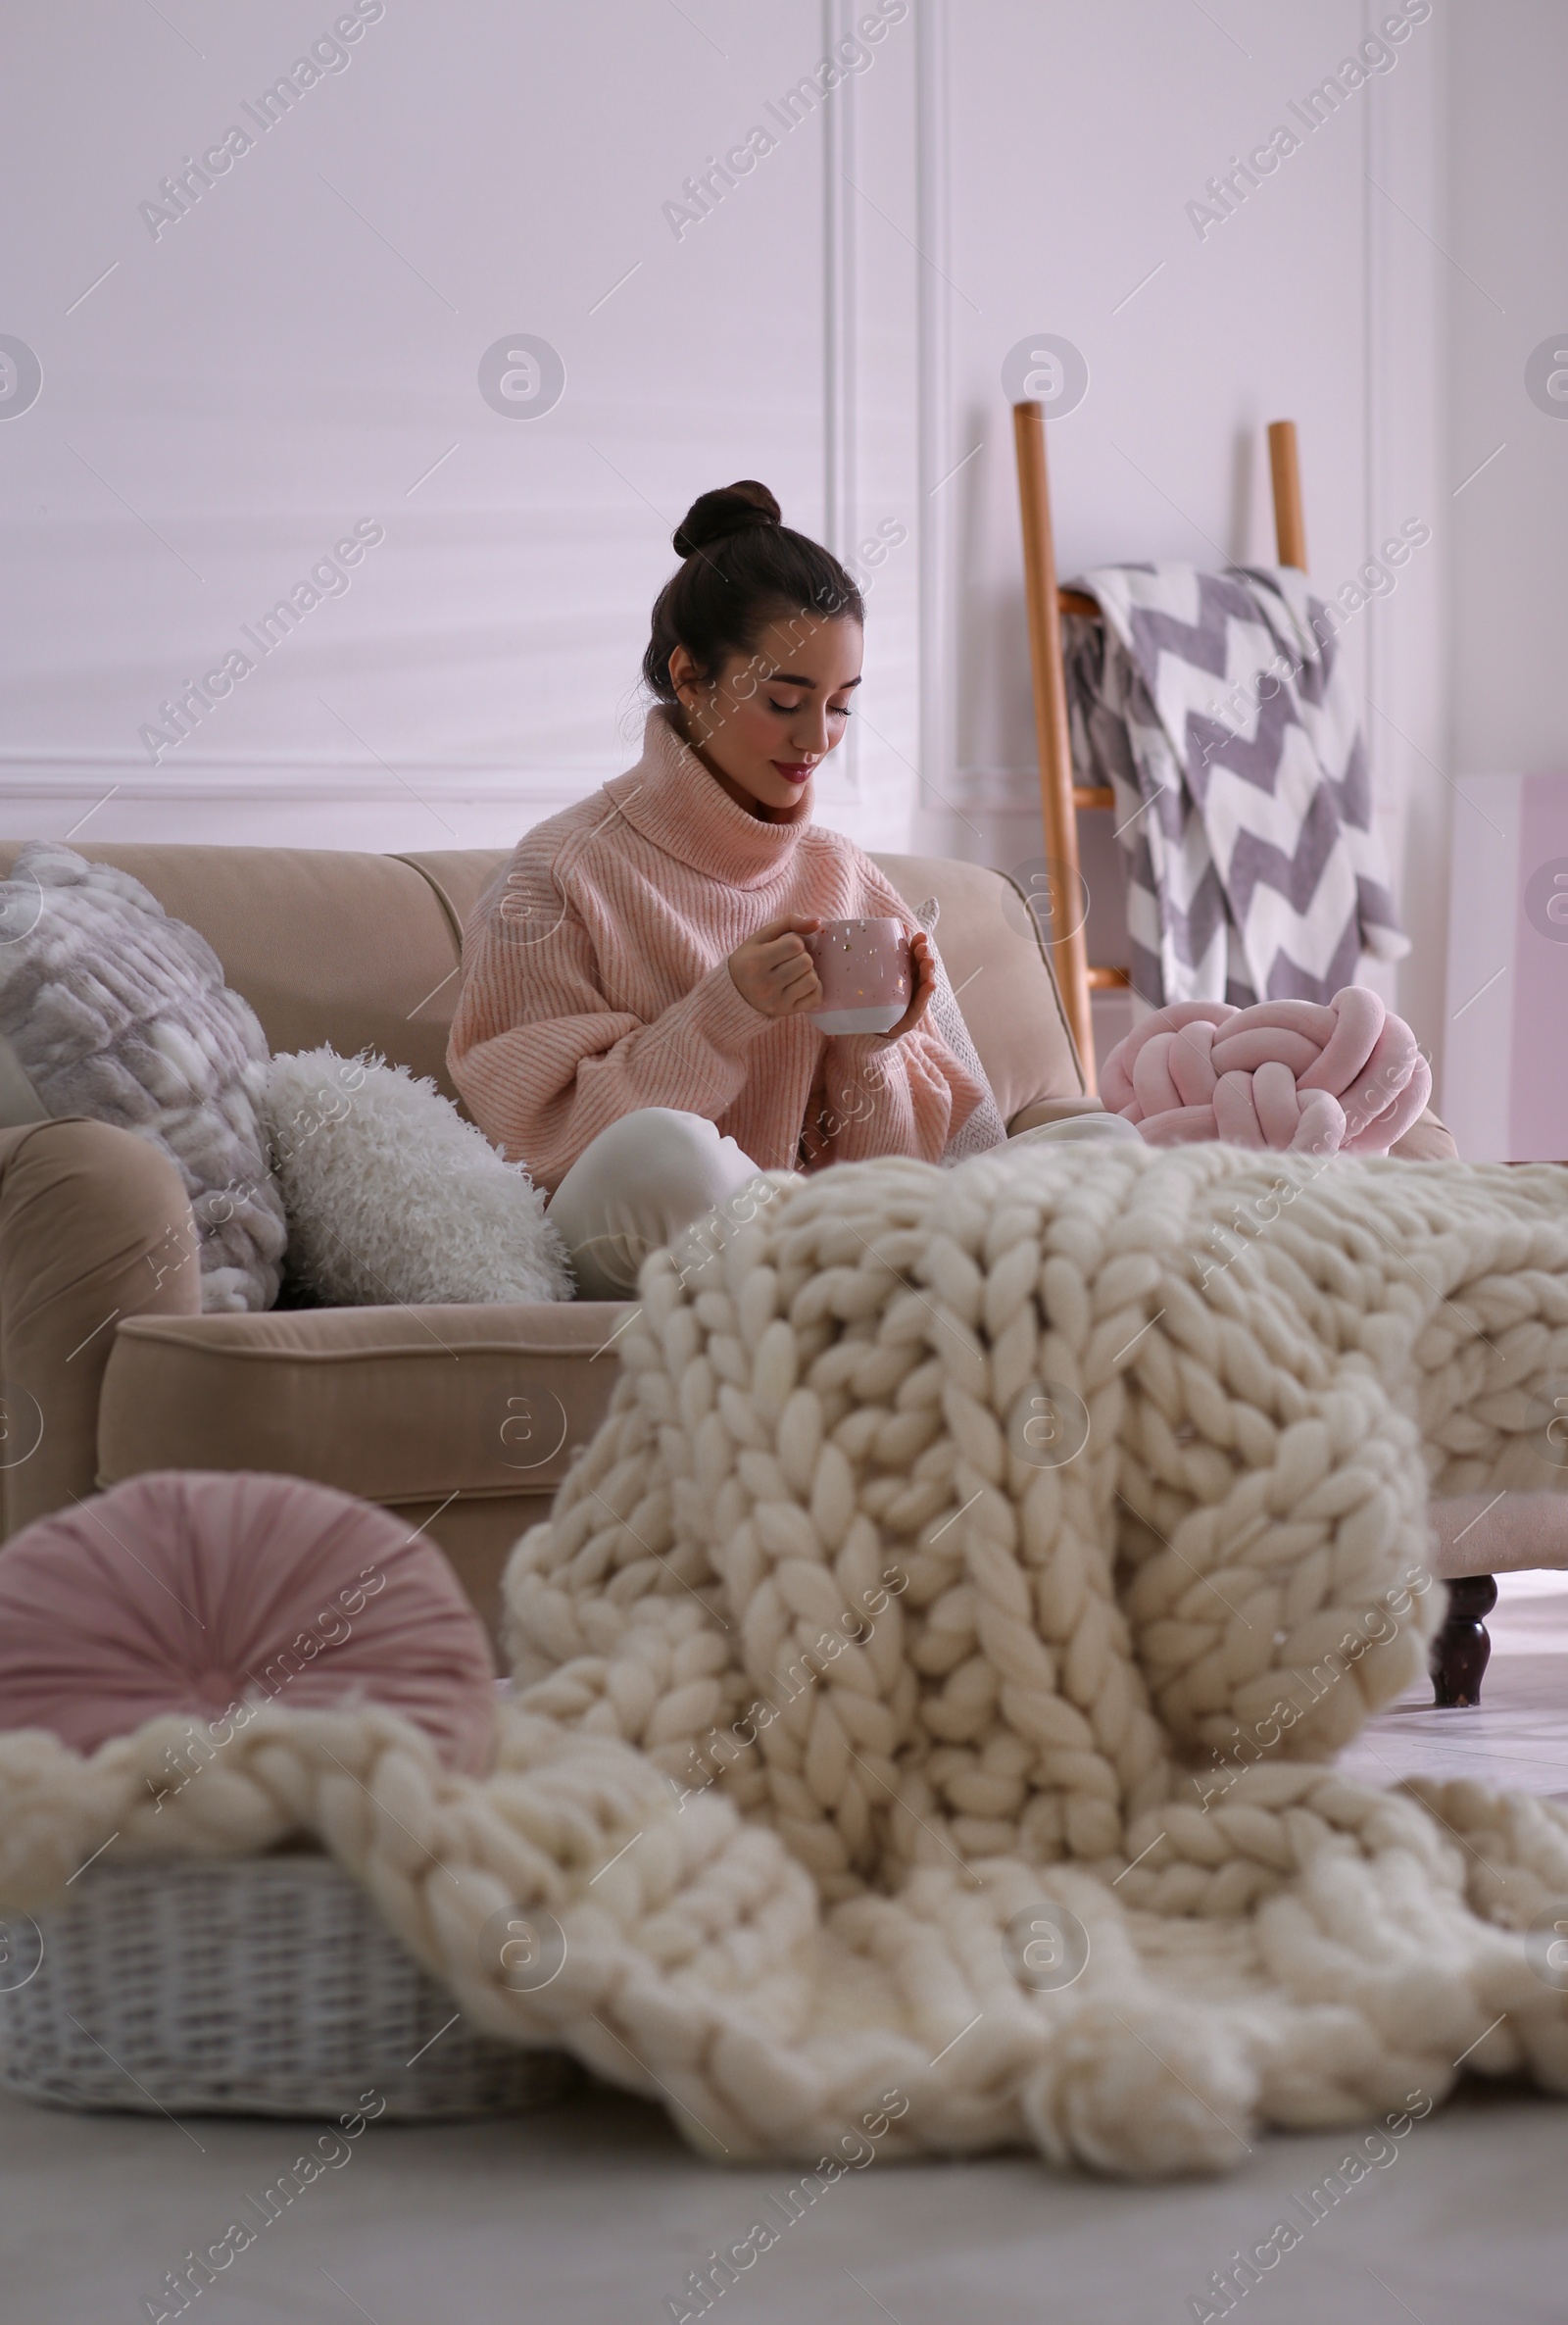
(995, 788)
(86, 775)
(938, 751)
(840, 511)
(840, 376)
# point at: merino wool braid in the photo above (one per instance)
(822, 1432)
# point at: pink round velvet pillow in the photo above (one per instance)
(200, 1590)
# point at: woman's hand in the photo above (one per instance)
(923, 969)
(774, 971)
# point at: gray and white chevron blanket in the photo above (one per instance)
(1220, 708)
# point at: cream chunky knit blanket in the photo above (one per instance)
(930, 1676)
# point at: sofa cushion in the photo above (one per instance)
(991, 945)
(396, 1405)
(989, 942)
(330, 945)
(325, 944)
(114, 1011)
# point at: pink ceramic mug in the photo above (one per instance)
(867, 975)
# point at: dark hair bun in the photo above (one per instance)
(741, 567)
(732, 509)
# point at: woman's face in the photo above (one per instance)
(770, 718)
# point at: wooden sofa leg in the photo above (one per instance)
(1460, 1649)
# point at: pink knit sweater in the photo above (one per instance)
(595, 981)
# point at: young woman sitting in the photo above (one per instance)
(634, 1018)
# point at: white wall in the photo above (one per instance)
(1509, 199)
(297, 352)
(1079, 137)
(1509, 460)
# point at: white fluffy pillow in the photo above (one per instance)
(393, 1198)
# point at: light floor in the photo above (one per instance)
(594, 2211)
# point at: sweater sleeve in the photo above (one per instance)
(545, 1063)
(904, 1097)
(881, 1097)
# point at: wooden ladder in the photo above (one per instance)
(1060, 798)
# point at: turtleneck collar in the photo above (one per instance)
(672, 800)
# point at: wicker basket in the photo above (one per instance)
(257, 1986)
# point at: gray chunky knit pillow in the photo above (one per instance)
(108, 1007)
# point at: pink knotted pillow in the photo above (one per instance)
(1305, 1077)
(207, 1592)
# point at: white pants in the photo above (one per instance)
(1073, 1127)
(649, 1175)
(632, 1192)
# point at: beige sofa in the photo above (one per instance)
(460, 1418)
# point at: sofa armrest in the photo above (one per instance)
(95, 1226)
(1427, 1141)
(1496, 1534)
(1053, 1110)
